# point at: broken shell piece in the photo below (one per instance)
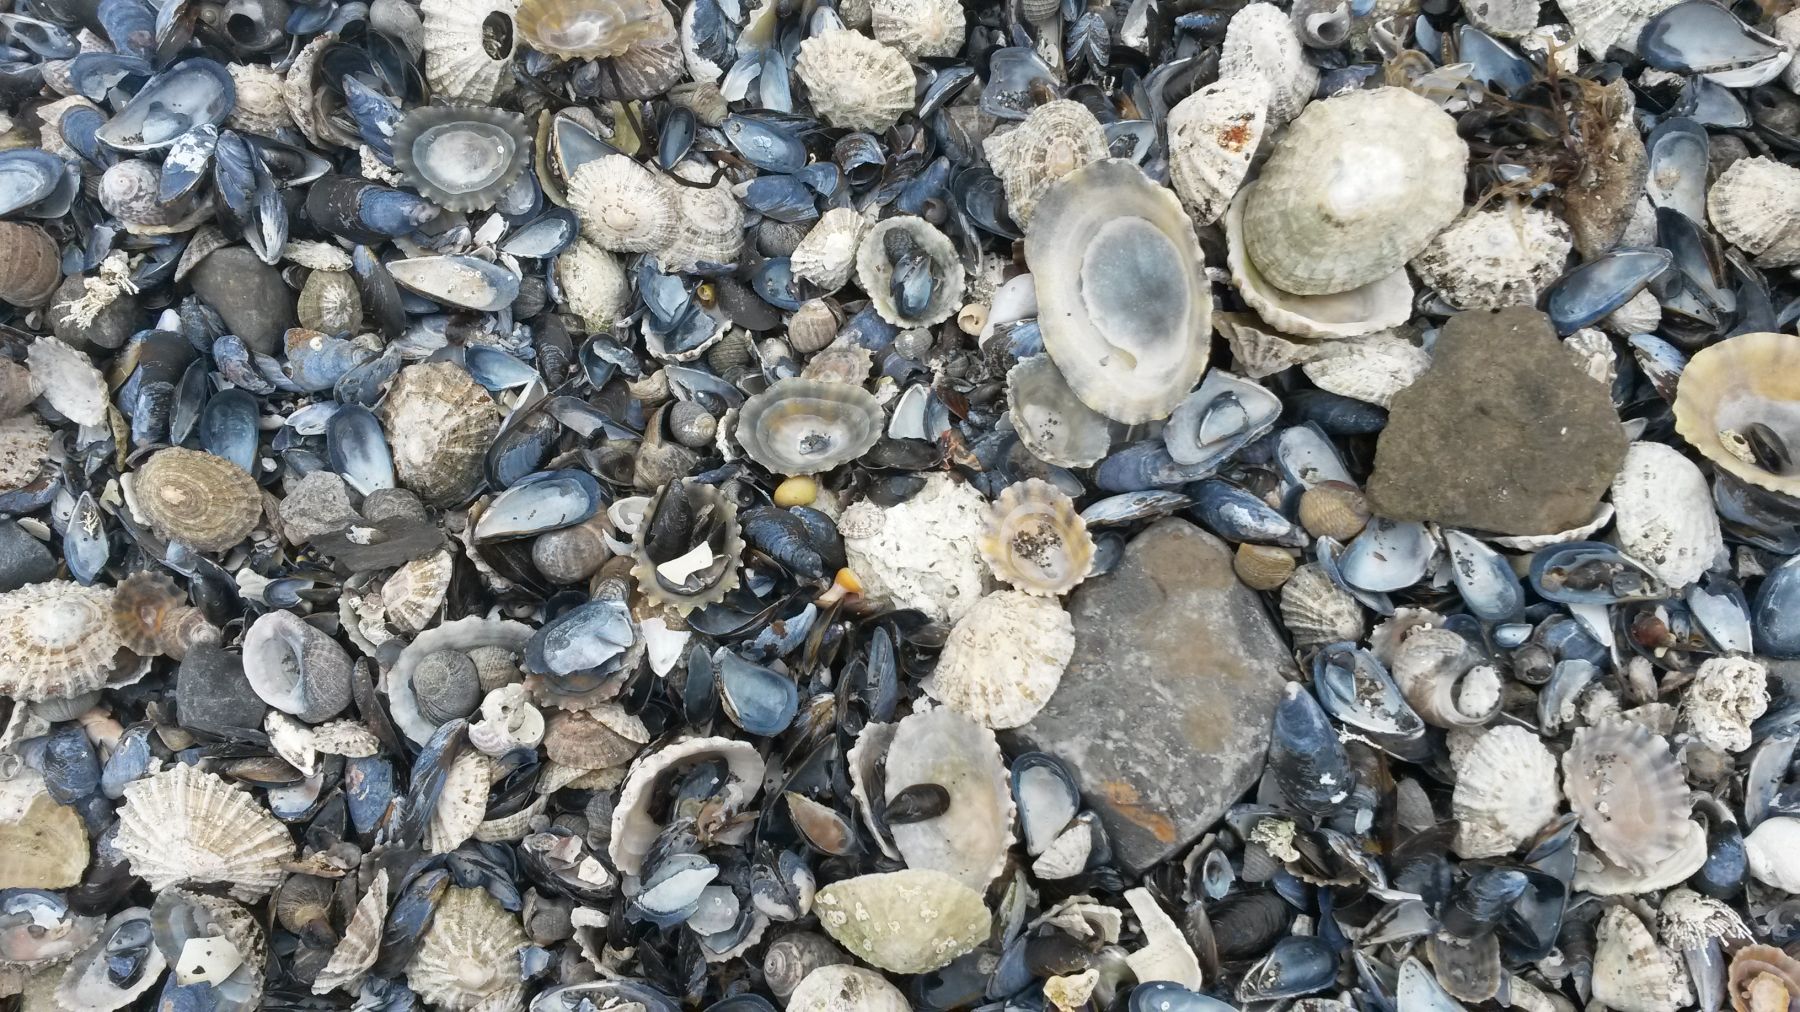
(1262, 45)
(1506, 790)
(89, 984)
(184, 825)
(461, 804)
(1258, 350)
(1738, 403)
(910, 271)
(1491, 259)
(358, 949)
(799, 426)
(1054, 140)
(1382, 304)
(1051, 421)
(1004, 659)
(946, 748)
(57, 639)
(635, 827)
(827, 256)
(466, 960)
(922, 553)
(1631, 972)
(205, 502)
(1755, 205)
(1600, 25)
(854, 81)
(1762, 978)
(1371, 369)
(623, 206)
(686, 550)
(1727, 694)
(1213, 135)
(1165, 955)
(508, 721)
(1628, 791)
(413, 595)
(45, 843)
(1664, 514)
(1035, 541)
(910, 921)
(68, 380)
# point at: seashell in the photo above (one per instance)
(686, 550)
(896, 254)
(1372, 368)
(1054, 140)
(1262, 567)
(1739, 388)
(842, 988)
(461, 803)
(439, 425)
(624, 206)
(261, 105)
(45, 843)
(129, 191)
(1166, 955)
(1133, 354)
(801, 427)
(1382, 304)
(1631, 972)
(1213, 135)
(580, 739)
(921, 553)
(1051, 421)
(592, 284)
(1664, 514)
(466, 960)
(1770, 850)
(205, 502)
(1726, 695)
(1761, 977)
(1355, 188)
(296, 668)
(1754, 206)
(573, 553)
(1334, 509)
(1035, 541)
(1508, 19)
(57, 640)
(1316, 610)
(910, 921)
(508, 721)
(855, 82)
(17, 389)
(153, 617)
(814, 325)
(461, 157)
(635, 827)
(474, 636)
(360, 945)
(89, 985)
(709, 223)
(795, 956)
(469, 48)
(1444, 679)
(329, 303)
(583, 29)
(68, 380)
(1261, 44)
(919, 28)
(1602, 24)
(1628, 791)
(846, 364)
(1506, 791)
(827, 256)
(949, 749)
(213, 941)
(30, 265)
(185, 825)
(1003, 659)
(1491, 259)
(446, 686)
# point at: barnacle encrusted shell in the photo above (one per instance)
(24, 451)
(623, 206)
(57, 639)
(1355, 188)
(919, 28)
(593, 283)
(45, 843)
(1123, 303)
(1371, 368)
(800, 426)
(360, 945)
(1035, 541)
(1055, 139)
(1664, 514)
(1261, 44)
(1213, 135)
(922, 553)
(1628, 791)
(30, 264)
(1379, 305)
(1506, 790)
(185, 825)
(710, 222)
(205, 502)
(1494, 258)
(1050, 420)
(1600, 25)
(941, 746)
(1631, 972)
(469, 47)
(910, 921)
(1316, 610)
(1755, 205)
(470, 635)
(439, 424)
(673, 575)
(855, 82)
(461, 157)
(68, 380)
(635, 827)
(875, 271)
(1726, 695)
(827, 256)
(1729, 387)
(466, 960)
(846, 988)
(1004, 659)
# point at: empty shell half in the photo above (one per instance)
(461, 157)
(1034, 540)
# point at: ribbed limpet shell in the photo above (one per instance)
(1494, 258)
(1628, 790)
(1731, 388)
(1755, 205)
(705, 567)
(1035, 541)
(1663, 513)
(1379, 305)
(1004, 659)
(875, 270)
(205, 502)
(469, 46)
(1213, 134)
(24, 451)
(1372, 368)
(1122, 297)
(466, 961)
(57, 639)
(709, 222)
(593, 284)
(186, 825)
(944, 747)
(1054, 140)
(586, 29)
(439, 424)
(635, 828)
(919, 28)
(623, 206)
(1261, 44)
(469, 635)
(827, 256)
(800, 426)
(461, 157)
(1506, 790)
(855, 82)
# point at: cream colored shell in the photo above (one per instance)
(461, 804)
(1508, 19)
(1379, 305)
(416, 591)
(1631, 972)
(1506, 790)
(1664, 514)
(1054, 140)
(1257, 350)
(205, 502)
(1316, 611)
(57, 639)
(634, 828)
(439, 424)
(360, 945)
(941, 746)
(710, 223)
(261, 108)
(1628, 791)
(1213, 135)
(1755, 205)
(1372, 368)
(1262, 44)
(469, 46)
(1736, 383)
(910, 921)
(921, 553)
(1726, 695)
(919, 28)
(1051, 421)
(855, 82)
(45, 843)
(1770, 850)
(1004, 659)
(1602, 24)
(592, 284)
(467, 960)
(24, 451)
(184, 825)
(1035, 541)
(623, 206)
(1494, 258)
(827, 256)
(844, 988)
(68, 379)
(874, 271)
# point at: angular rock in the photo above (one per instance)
(212, 694)
(248, 295)
(1504, 433)
(1165, 710)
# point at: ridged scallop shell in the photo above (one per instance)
(844, 988)
(360, 945)
(1755, 205)
(855, 82)
(710, 223)
(1004, 659)
(1035, 541)
(1054, 140)
(1316, 610)
(68, 379)
(1631, 972)
(874, 271)
(30, 265)
(1356, 188)
(800, 426)
(57, 639)
(593, 283)
(1213, 135)
(1628, 791)
(45, 843)
(185, 825)
(1602, 24)
(461, 804)
(24, 451)
(624, 206)
(1726, 695)
(205, 502)
(1261, 44)
(468, 958)
(439, 425)
(1506, 790)
(461, 157)
(1664, 514)
(635, 827)
(1733, 384)
(1372, 368)
(469, 46)
(1051, 421)
(1379, 305)
(827, 256)
(919, 28)
(908, 921)
(1495, 258)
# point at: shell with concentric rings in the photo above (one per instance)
(185, 825)
(205, 502)
(57, 639)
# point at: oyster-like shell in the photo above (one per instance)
(1628, 791)
(699, 566)
(1602, 24)
(57, 639)
(1261, 44)
(461, 157)
(1054, 140)
(635, 828)
(593, 283)
(1035, 541)
(360, 945)
(1315, 610)
(439, 424)
(261, 107)
(30, 265)
(1370, 368)
(1506, 790)
(1213, 135)
(1051, 421)
(623, 206)
(1379, 305)
(469, 46)
(1741, 382)
(88, 986)
(1755, 205)
(1494, 258)
(944, 747)
(471, 635)
(1664, 515)
(800, 426)
(875, 270)
(844, 988)
(1004, 659)
(709, 222)
(68, 380)
(205, 502)
(45, 843)
(827, 256)
(919, 28)
(910, 921)
(185, 825)
(1122, 297)
(1355, 188)
(24, 451)
(1631, 972)
(855, 82)
(922, 553)
(1726, 695)
(467, 959)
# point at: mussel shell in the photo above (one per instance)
(193, 93)
(1592, 572)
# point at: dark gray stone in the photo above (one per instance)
(248, 295)
(108, 328)
(212, 695)
(1503, 433)
(23, 558)
(1165, 710)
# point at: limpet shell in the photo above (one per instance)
(1316, 610)
(672, 580)
(45, 843)
(473, 635)
(1004, 659)
(57, 640)
(1506, 790)
(1494, 258)
(30, 265)
(1054, 140)
(944, 747)
(439, 424)
(910, 921)
(205, 502)
(586, 29)
(827, 256)
(854, 81)
(461, 157)
(1755, 205)
(87, 986)
(709, 222)
(919, 28)
(1379, 305)
(1663, 513)
(1261, 44)
(68, 379)
(261, 107)
(469, 46)
(635, 828)
(1631, 972)
(593, 283)
(845, 988)
(623, 206)
(24, 451)
(1628, 791)
(1035, 541)
(1372, 368)
(1213, 135)
(1754, 968)
(185, 825)
(467, 959)
(1051, 421)
(800, 426)
(360, 945)
(875, 271)
(1739, 382)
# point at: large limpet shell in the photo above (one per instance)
(88, 986)
(57, 639)
(947, 748)
(1213, 135)
(1262, 44)
(1355, 188)
(586, 29)
(467, 959)
(469, 46)
(1379, 305)
(461, 157)
(1494, 258)
(1004, 659)
(1663, 513)
(709, 222)
(801, 426)
(1506, 790)
(855, 82)
(1730, 388)
(1631, 972)
(1755, 205)
(1122, 297)
(185, 825)
(623, 206)
(875, 271)
(827, 256)
(1054, 140)
(1051, 421)
(1628, 791)
(1035, 541)
(910, 921)
(205, 502)
(439, 424)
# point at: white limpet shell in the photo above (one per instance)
(469, 47)
(1035, 541)
(68, 379)
(185, 825)
(464, 634)
(1600, 25)
(45, 843)
(1004, 659)
(1641, 314)
(1050, 420)
(1593, 350)
(1506, 790)
(941, 746)
(623, 206)
(86, 986)
(827, 256)
(1628, 791)
(919, 28)
(461, 804)
(911, 921)
(467, 960)
(1213, 135)
(923, 553)
(709, 222)
(845, 988)
(360, 945)
(57, 639)
(802, 426)
(1755, 205)
(1379, 305)
(1355, 188)
(1372, 368)
(1261, 43)
(593, 284)
(874, 271)
(1123, 301)
(1631, 972)
(1739, 382)
(1663, 513)
(1055, 139)
(1497, 257)
(1257, 350)
(415, 592)
(1726, 695)
(855, 83)
(1316, 610)
(1773, 850)
(634, 829)
(1165, 954)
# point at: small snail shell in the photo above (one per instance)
(447, 685)
(1333, 509)
(791, 957)
(495, 666)
(572, 554)
(652, 389)
(185, 629)
(692, 425)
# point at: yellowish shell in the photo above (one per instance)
(24, 451)
(45, 844)
(1334, 510)
(910, 921)
(1755, 205)
(1054, 140)
(1034, 539)
(57, 639)
(205, 502)
(469, 46)
(919, 28)
(623, 206)
(1730, 386)
(439, 423)
(467, 960)
(855, 82)
(185, 825)
(1262, 567)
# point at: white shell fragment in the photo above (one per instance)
(1494, 258)
(1004, 659)
(923, 553)
(1379, 305)
(1372, 368)
(1755, 205)
(1631, 972)
(1213, 135)
(1773, 851)
(1726, 695)
(185, 825)
(1664, 514)
(827, 256)
(943, 747)
(1506, 790)
(1165, 955)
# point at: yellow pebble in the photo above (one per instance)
(797, 491)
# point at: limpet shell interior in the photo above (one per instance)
(801, 426)
(1743, 382)
(463, 158)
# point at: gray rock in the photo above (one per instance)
(317, 504)
(1503, 433)
(212, 695)
(23, 558)
(248, 295)
(1164, 712)
(107, 328)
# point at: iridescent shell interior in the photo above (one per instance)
(803, 426)
(589, 28)
(462, 159)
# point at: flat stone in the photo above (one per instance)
(1165, 710)
(1504, 433)
(318, 504)
(212, 695)
(248, 295)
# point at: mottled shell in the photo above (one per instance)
(1631, 972)
(827, 256)
(439, 423)
(469, 46)
(24, 451)
(1727, 694)
(461, 804)
(468, 958)
(1316, 611)
(1664, 514)
(1051, 421)
(813, 326)
(855, 82)
(1004, 659)
(1262, 44)
(261, 108)
(1602, 24)
(710, 223)
(329, 303)
(128, 191)
(1213, 135)
(1054, 140)
(461, 157)
(360, 945)
(1628, 791)
(205, 502)
(1356, 188)
(57, 639)
(800, 426)
(416, 591)
(1506, 790)
(623, 206)
(185, 825)
(580, 740)
(919, 28)
(1736, 383)
(30, 265)
(1379, 305)
(843, 988)
(635, 827)
(68, 379)
(874, 271)
(908, 921)
(593, 284)
(1755, 205)
(1035, 541)
(1491, 259)
(45, 843)
(1372, 368)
